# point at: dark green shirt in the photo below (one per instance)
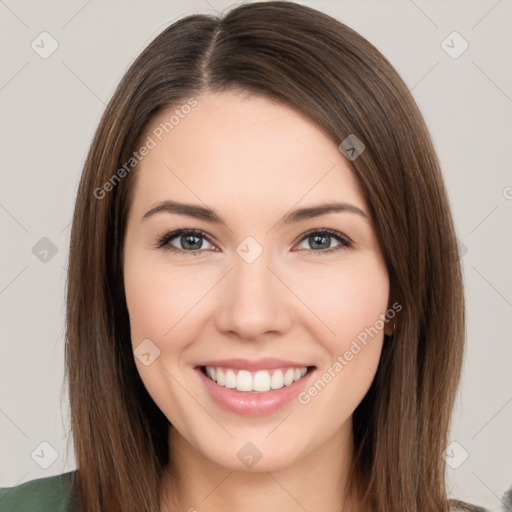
(54, 494)
(50, 494)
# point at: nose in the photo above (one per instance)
(254, 302)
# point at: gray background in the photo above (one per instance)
(50, 107)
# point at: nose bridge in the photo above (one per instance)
(252, 280)
(254, 299)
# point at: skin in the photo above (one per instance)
(252, 160)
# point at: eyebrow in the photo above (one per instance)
(209, 215)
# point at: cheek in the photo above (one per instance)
(163, 305)
(160, 304)
(349, 304)
(346, 300)
(159, 300)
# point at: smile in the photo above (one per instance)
(259, 381)
(253, 388)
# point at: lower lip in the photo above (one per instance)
(253, 404)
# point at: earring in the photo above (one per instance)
(392, 333)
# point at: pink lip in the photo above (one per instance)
(252, 404)
(258, 364)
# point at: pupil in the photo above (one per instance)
(320, 237)
(187, 238)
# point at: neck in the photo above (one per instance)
(315, 482)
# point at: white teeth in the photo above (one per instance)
(288, 376)
(259, 381)
(244, 381)
(230, 381)
(277, 380)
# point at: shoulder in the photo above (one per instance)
(53, 493)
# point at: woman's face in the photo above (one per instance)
(258, 293)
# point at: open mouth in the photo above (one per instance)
(259, 381)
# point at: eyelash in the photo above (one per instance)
(163, 242)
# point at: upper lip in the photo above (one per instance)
(268, 363)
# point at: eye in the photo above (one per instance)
(322, 239)
(191, 241)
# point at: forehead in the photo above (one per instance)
(231, 148)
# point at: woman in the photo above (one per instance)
(264, 307)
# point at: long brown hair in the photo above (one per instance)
(313, 63)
